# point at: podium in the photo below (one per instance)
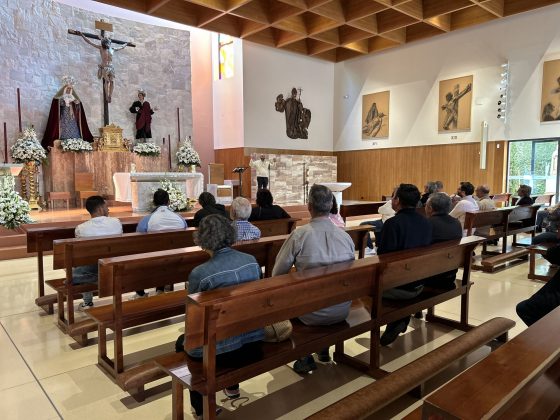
(239, 171)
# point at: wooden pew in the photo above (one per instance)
(40, 240)
(69, 253)
(514, 220)
(501, 200)
(521, 379)
(121, 275)
(294, 294)
(359, 208)
(545, 199)
(541, 273)
(370, 399)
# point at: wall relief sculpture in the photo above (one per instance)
(297, 117)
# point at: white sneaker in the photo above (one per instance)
(83, 306)
(370, 251)
(136, 296)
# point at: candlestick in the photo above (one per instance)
(169, 148)
(19, 110)
(5, 144)
(178, 127)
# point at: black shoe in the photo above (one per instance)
(305, 365)
(393, 330)
(324, 356)
(419, 315)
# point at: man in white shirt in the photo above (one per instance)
(100, 224)
(464, 202)
(162, 218)
(262, 166)
(481, 196)
(386, 211)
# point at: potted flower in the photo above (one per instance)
(14, 210)
(178, 201)
(147, 149)
(76, 145)
(187, 156)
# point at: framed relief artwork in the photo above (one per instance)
(455, 100)
(550, 94)
(375, 115)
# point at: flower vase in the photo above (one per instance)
(180, 168)
(193, 169)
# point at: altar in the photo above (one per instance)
(141, 186)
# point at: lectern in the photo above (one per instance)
(239, 171)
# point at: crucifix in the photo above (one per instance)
(105, 70)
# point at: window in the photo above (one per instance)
(225, 55)
(534, 163)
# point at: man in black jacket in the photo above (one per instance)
(407, 229)
(444, 228)
(209, 206)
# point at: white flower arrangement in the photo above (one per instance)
(147, 149)
(76, 145)
(178, 201)
(27, 148)
(186, 155)
(14, 210)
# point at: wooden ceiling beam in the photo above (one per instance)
(293, 24)
(233, 4)
(412, 8)
(343, 54)
(442, 22)
(283, 38)
(368, 24)
(220, 5)
(296, 3)
(397, 35)
(512, 7)
(496, 7)
(359, 9)
(359, 46)
(249, 28)
(470, 16)
(379, 43)
(391, 19)
(348, 34)
(433, 8)
(256, 11)
(278, 12)
(298, 47)
(331, 36)
(153, 5)
(332, 10)
(317, 24)
(311, 4)
(318, 47)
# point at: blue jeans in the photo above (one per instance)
(377, 226)
(85, 274)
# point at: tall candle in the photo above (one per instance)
(178, 127)
(5, 144)
(169, 148)
(19, 110)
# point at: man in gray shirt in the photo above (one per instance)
(319, 243)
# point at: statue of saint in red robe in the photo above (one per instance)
(143, 113)
(67, 119)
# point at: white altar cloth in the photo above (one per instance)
(139, 187)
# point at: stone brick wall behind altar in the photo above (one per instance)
(36, 50)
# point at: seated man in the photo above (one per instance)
(226, 267)
(162, 218)
(316, 244)
(482, 198)
(429, 189)
(550, 222)
(209, 206)
(240, 212)
(464, 202)
(100, 224)
(546, 299)
(444, 228)
(407, 229)
(524, 193)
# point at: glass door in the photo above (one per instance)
(534, 163)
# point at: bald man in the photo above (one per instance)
(482, 197)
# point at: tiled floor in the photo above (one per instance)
(44, 375)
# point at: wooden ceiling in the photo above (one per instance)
(334, 30)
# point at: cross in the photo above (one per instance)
(105, 71)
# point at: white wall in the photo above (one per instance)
(269, 72)
(412, 74)
(228, 100)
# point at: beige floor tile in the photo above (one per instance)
(13, 371)
(26, 402)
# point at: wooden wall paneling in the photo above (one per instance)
(374, 173)
(232, 158)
